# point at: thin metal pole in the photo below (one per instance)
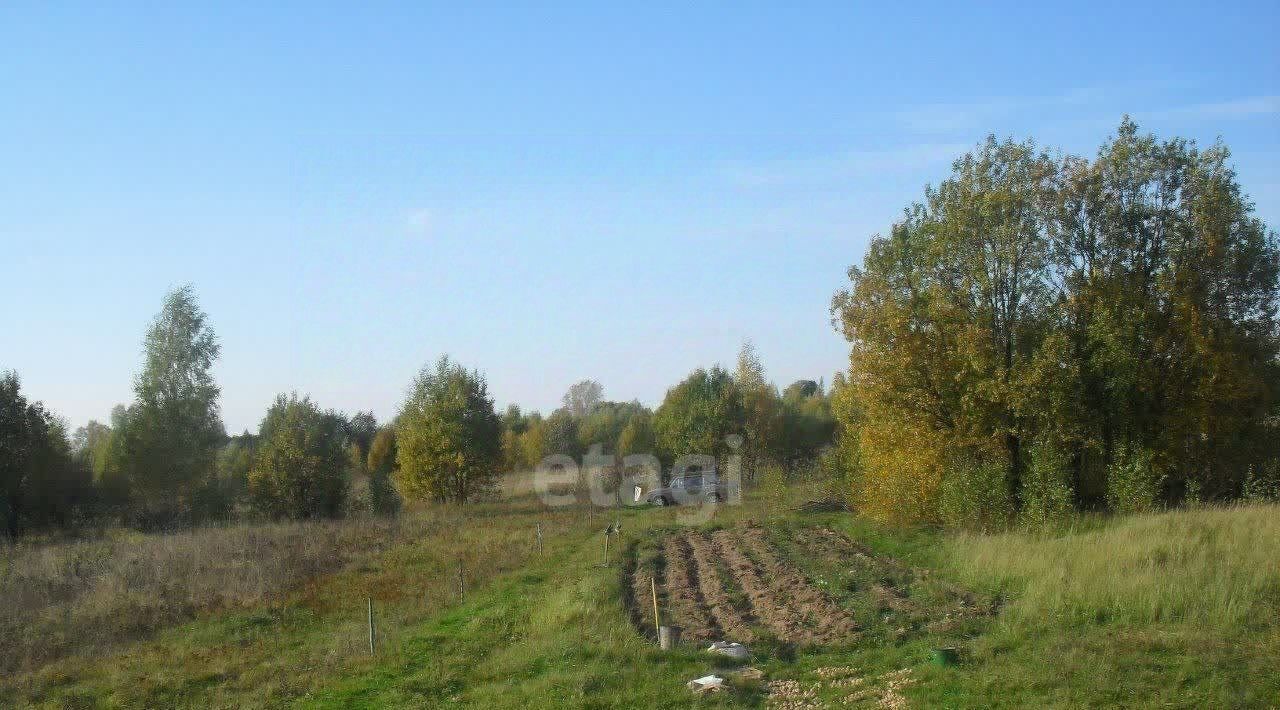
(371, 631)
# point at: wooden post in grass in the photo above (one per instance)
(539, 539)
(371, 632)
(653, 589)
(462, 583)
(606, 548)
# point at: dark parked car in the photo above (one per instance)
(690, 488)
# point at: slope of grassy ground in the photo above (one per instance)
(1178, 610)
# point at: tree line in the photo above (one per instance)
(1039, 334)
(165, 460)
(697, 415)
(1046, 333)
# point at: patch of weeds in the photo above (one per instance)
(768, 647)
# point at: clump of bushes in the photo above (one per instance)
(1046, 487)
(973, 493)
(1133, 483)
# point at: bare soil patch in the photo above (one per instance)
(733, 584)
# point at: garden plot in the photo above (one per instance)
(806, 586)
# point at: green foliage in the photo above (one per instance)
(1262, 483)
(514, 423)
(300, 470)
(361, 428)
(170, 438)
(532, 441)
(448, 436)
(762, 416)
(582, 397)
(606, 422)
(1046, 493)
(697, 414)
(41, 483)
(974, 493)
(1133, 483)
(560, 434)
(1126, 301)
(382, 451)
(235, 460)
(807, 422)
(383, 498)
(637, 436)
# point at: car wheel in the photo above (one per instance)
(660, 501)
(714, 498)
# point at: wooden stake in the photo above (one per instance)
(371, 632)
(606, 548)
(462, 584)
(653, 589)
(539, 539)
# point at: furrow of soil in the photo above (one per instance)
(641, 612)
(734, 625)
(830, 622)
(685, 598)
(896, 581)
(766, 601)
(864, 554)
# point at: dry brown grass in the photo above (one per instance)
(257, 615)
(85, 595)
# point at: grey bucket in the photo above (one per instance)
(668, 637)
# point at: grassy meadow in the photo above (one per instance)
(1174, 609)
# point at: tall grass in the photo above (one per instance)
(1213, 567)
(84, 595)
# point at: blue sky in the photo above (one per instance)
(546, 194)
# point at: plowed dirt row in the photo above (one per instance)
(830, 622)
(684, 596)
(768, 603)
(732, 584)
(733, 623)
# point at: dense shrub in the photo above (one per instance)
(1046, 491)
(974, 494)
(1262, 483)
(1133, 483)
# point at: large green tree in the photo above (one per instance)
(300, 470)
(697, 414)
(173, 429)
(761, 410)
(448, 436)
(637, 437)
(41, 483)
(1168, 336)
(1119, 313)
(560, 434)
(382, 451)
(583, 397)
(807, 422)
(606, 422)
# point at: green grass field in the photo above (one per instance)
(1169, 610)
